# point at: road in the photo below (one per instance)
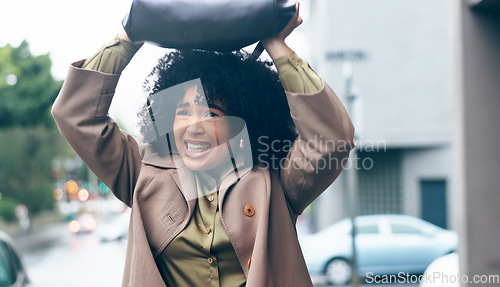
(320, 282)
(58, 258)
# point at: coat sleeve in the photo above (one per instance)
(317, 157)
(81, 113)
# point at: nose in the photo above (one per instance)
(196, 127)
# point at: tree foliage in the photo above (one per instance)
(26, 156)
(27, 87)
(29, 139)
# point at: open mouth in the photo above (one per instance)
(196, 149)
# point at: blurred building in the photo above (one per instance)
(425, 73)
(400, 57)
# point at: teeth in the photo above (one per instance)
(197, 147)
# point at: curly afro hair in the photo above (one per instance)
(247, 87)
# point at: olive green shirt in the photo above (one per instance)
(202, 254)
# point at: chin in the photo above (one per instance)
(199, 164)
(205, 165)
(195, 166)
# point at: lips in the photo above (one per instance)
(196, 149)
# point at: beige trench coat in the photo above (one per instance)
(266, 242)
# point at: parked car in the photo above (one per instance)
(385, 244)
(443, 272)
(12, 272)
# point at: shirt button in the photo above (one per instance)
(249, 210)
(295, 62)
(210, 260)
(210, 198)
(208, 230)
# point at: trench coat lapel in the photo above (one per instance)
(184, 178)
(230, 180)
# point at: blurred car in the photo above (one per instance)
(443, 272)
(385, 244)
(84, 224)
(12, 272)
(116, 229)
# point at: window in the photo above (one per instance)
(367, 229)
(380, 182)
(404, 229)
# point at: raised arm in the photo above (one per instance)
(81, 113)
(325, 130)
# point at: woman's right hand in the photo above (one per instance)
(275, 46)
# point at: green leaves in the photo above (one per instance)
(29, 139)
(27, 88)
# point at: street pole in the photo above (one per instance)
(351, 176)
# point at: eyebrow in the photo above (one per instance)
(214, 106)
(210, 105)
(182, 105)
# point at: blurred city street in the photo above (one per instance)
(56, 257)
(419, 80)
(318, 282)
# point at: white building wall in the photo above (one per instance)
(403, 78)
(331, 205)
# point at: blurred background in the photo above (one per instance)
(419, 78)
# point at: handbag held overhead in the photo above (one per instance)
(221, 25)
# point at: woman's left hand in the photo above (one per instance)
(275, 46)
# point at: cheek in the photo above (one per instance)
(178, 133)
(214, 130)
(176, 124)
(222, 132)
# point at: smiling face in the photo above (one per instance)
(199, 130)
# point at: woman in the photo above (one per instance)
(211, 205)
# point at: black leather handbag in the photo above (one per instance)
(221, 25)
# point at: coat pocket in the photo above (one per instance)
(169, 216)
(161, 220)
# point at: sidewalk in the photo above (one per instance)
(45, 229)
(40, 238)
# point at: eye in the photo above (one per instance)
(182, 113)
(212, 115)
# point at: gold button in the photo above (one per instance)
(210, 198)
(249, 262)
(295, 62)
(249, 210)
(210, 260)
(208, 230)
